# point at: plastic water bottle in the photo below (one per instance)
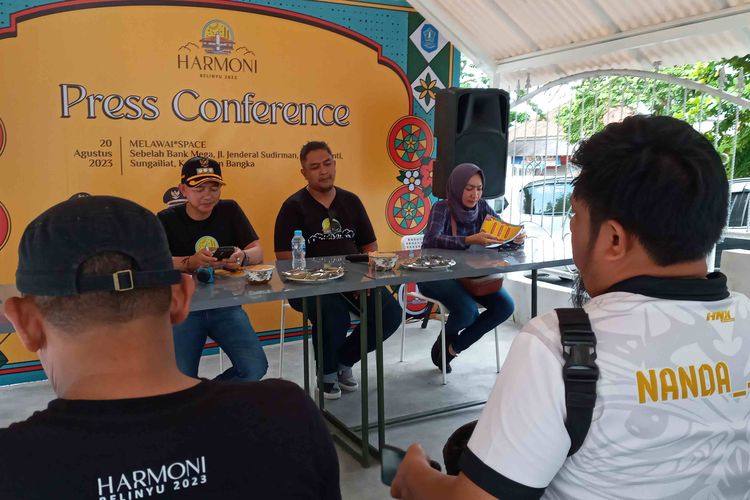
(298, 250)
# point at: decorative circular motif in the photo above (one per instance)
(3, 137)
(409, 140)
(414, 306)
(407, 211)
(4, 226)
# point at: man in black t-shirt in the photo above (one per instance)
(334, 222)
(128, 424)
(194, 230)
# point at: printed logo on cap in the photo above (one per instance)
(173, 196)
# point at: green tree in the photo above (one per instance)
(473, 77)
(598, 99)
(519, 117)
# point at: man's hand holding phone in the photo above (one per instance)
(229, 257)
(202, 258)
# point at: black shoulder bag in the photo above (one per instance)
(580, 375)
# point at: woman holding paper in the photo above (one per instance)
(455, 223)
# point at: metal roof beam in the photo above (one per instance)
(730, 19)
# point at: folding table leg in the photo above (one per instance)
(379, 367)
(319, 361)
(363, 379)
(305, 346)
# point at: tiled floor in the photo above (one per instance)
(411, 386)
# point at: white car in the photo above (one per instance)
(541, 204)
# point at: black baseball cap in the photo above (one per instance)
(200, 169)
(173, 196)
(55, 244)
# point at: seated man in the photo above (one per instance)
(333, 222)
(99, 296)
(194, 230)
(671, 413)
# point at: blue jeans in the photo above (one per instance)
(231, 329)
(464, 314)
(338, 348)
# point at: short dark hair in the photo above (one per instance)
(661, 179)
(79, 312)
(312, 146)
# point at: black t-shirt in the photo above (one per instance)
(341, 229)
(226, 226)
(219, 440)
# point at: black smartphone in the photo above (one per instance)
(390, 460)
(222, 253)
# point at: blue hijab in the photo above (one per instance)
(456, 185)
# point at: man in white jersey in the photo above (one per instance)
(672, 414)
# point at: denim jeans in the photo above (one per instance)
(231, 329)
(464, 314)
(338, 348)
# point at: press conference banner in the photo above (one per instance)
(104, 97)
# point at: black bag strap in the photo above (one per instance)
(580, 373)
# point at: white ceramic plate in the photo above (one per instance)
(416, 267)
(313, 276)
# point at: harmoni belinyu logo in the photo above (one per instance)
(216, 53)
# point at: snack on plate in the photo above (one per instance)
(314, 276)
(236, 273)
(383, 261)
(500, 229)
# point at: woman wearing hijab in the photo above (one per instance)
(455, 223)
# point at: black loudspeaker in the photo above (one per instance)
(471, 126)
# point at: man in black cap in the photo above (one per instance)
(195, 229)
(99, 296)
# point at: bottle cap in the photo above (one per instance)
(297, 232)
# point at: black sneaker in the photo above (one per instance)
(437, 358)
(331, 390)
(347, 380)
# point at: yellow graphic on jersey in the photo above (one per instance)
(723, 316)
(683, 383)
(206, 242)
